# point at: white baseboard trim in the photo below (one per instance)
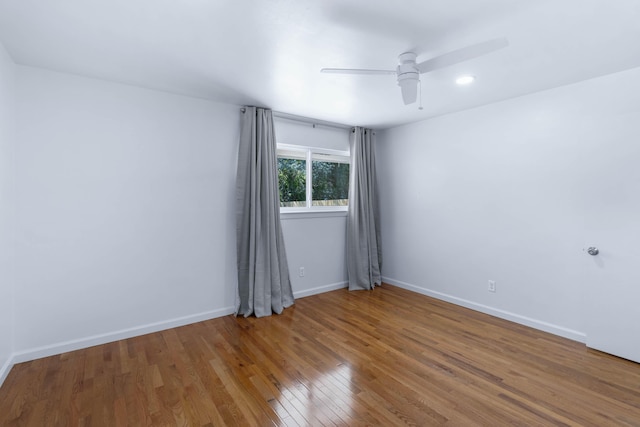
(63, 347)
(320, 289)
(513, 317)
(6, 368)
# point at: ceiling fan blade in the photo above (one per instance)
(356, 71)
(461, 55)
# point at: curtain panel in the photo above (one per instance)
(264, 286)
(364, 255)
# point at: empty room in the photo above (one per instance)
(319, 213)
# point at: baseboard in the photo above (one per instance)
(320, 289)
(63, 347)
(6, 368)
(513, 317)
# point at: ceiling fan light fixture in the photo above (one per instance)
(465, 80)
(408, 83)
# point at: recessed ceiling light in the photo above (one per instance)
(465, 80)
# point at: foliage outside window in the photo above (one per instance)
(292, 178)
(311, 179)
(330, 180)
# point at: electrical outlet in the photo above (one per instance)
(492, 286)
(301, 272)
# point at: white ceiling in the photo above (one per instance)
(269, 52)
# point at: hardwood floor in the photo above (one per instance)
(387, 357)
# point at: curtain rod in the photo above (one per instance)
(308, 120)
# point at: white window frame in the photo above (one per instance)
(309, 151)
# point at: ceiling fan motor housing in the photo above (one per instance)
(407, 68)
(407, 58)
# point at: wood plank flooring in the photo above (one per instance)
(387, 357)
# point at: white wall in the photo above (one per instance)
(125, 211)
(505, 192)
(316, 242)
(7, 206)
(319, 245)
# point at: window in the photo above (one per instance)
(312, 179)
(329, 180)
(292, 178)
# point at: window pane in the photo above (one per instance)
(330, 180)
(292, 182)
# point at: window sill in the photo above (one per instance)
(307, 213)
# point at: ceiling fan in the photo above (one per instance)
(408, 71)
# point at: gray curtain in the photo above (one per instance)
(364, 256)
(263, 274)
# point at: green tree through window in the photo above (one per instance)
(330, 183)
(292, 181)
